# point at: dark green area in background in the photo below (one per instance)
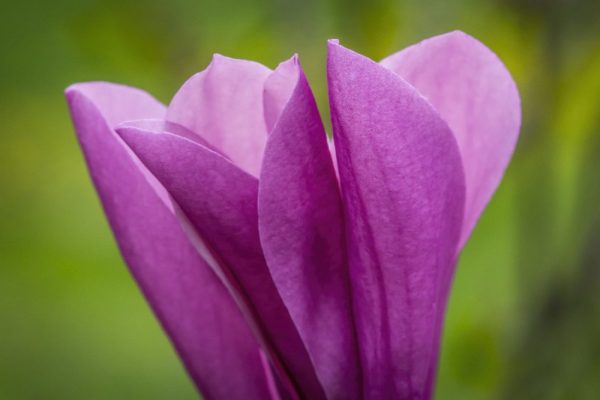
(524, 317)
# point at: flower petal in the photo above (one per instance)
(220, 201)
(301, 232)
(475, 94)
(279, 86)
(403, 189)
(118, 103)
(196, 310)
(160, 125)
(223, 104)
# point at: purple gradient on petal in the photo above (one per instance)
(286, 266)
(301, 231)
(475, 94)
(220, 201)
(199, 315)
(403, 190)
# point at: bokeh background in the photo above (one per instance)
(524, 316)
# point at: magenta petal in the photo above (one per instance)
(160, 125)
(301, 231)
(403, 189)
(220, 201)
(475, 94)
(200, 316)
(223, 105)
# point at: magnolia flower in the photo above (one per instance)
(282, 266)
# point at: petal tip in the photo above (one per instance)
(70, 93)
(71, 90)
(127, 132)
(335, 48)
(464, 37)
(136, 138)
(291, 64)
(333, 45)
(149, 125)
(459, 33)
(340, 60)
(219, 59)
(79, 88)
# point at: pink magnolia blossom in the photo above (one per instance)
(280, 268)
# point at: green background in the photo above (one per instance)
(524, 316)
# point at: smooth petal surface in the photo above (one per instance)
(301, 231)
(161, 125)
(278, 89)
(220, 201)
(403, 189)
(198, 313)
(223, 104)
(475, 94)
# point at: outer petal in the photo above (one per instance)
(201, 318)
(301, 231)
(221, 202)
(475, 94)
(223, 104)
(403, 189)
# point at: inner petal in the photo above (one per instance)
(224, 105)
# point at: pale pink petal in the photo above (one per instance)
(279, 86)
(223, 104)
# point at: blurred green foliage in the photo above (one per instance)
(524, 317)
